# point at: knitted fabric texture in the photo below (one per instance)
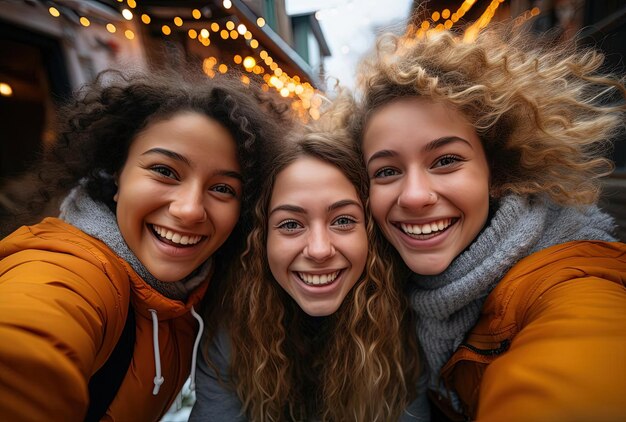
(97, 220)
(448, 304)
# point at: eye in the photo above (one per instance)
(224, 189)
(344, 222)
(447, 161)
(289, 226)
(164, 171)
(386, 172)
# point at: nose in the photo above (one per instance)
(417, 191)
(319, 246)
(188, 205)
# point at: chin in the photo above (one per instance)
(428, 268)
(319, 312)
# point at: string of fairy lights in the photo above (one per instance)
(306, 100)
(445, 19)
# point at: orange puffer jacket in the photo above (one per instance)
(63, 303)
(550, 344)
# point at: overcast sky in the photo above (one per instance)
(350, 26)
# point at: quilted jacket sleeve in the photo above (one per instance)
(55, 310)
(568, 363)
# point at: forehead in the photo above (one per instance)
(413, 120)
(312, 181)
(195, 135)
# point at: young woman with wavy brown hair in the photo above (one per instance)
(484, 159)
(315, 323)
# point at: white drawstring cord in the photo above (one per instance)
(194, 355)
(158, 379)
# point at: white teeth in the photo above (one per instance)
(318, 279)
(428, 228)
(181, 239)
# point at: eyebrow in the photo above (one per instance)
(440, 142)
(432, 145)
(171, 154)
(331, 207)
(178, 157)
(343, 203)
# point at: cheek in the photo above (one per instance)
(278, 252)
(227, 217)
(358, 245)
(380, 203)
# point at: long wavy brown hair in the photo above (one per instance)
(359, 364)
(545, 113)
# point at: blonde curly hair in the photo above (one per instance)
(545, 113)
(363, 364)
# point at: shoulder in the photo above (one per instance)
(54, 248)
(560, 315)
(566, 268)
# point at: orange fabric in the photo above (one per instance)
(63, 303)
(550, 344)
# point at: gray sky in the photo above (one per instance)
(350, 26)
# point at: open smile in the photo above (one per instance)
(174, 238)
(427, 230)
(318, 279)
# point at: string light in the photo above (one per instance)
(227, 4)
(178, 21)
(128, 15)
(166, 30)
(111, 28)
(54, 12)
(260, 22)
(132, 4)
(129, 34)
(5, 89)
(249, 62)
(145, 19)
(204, 33)
(192, 34)
(196, 14)
(84, 21)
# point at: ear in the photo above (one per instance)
(117, 193)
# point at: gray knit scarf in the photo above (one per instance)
(97, 220)
(448, 304)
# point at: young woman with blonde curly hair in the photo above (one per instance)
(484, 161)
(315, 322)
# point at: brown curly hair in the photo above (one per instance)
(364, 364)
(545, 113)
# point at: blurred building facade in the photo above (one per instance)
(48, 49)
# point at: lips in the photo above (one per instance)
(318, 279)
(176, 238)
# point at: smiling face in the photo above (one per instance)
(429, 181)
(316, 242)
(178, 194)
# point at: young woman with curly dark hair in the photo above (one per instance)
(161, 171)
(484, 159)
